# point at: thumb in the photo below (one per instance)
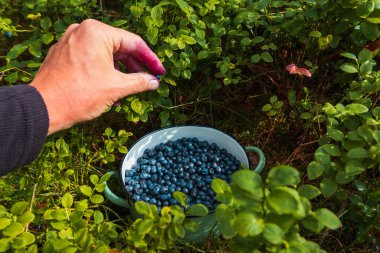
(137, 82)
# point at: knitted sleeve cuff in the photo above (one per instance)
(24, 123)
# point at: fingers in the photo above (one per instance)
(132, 44)
(121, 42)
(136, 83)
(132, 64)
(68, 31)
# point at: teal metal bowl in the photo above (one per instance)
(207, 224)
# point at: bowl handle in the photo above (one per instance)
(260, 166)
(112, 196)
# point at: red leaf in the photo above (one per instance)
(293, 69)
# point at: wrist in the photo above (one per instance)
(56, 108)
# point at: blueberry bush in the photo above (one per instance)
(299, 79)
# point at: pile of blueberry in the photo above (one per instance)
(187, 165)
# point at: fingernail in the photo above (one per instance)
(153, 84)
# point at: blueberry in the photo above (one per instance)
(204, 172)
(173, 201)
(157, 189)
(145, 176)
(165, 203)
(185, 190)
(129, 188)
(8, 34)
(194, 193)
(137, 197)
(189, 186)
(172, 188)
(153, 201)
(164, 189)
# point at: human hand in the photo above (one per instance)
(78, 79)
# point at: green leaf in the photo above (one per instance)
(179, 230)
(188, 40)
(278, 104)
(45, 23)
(328, 187)
(374, 17)
(197, 210)
(255, 58)
(145, 226)
(358, 153)
(267, 57)
(308, 191)
(282, 175)
(219, 186)
(98, 217)
(335, 134)
(312, 223)
(331, 149)
(185, 7)
(122, 149)
(16, 51)
(94, 179)
(151, 35)
(4, 244)
(315, 34)
(247, 224)
(47, 38)
(225, 215)
(364, 55)
(283, 200)
(19, 207)
(365, 8)
(67, 200)
(13, 229)
(273, 233)
(249, 182)
(86, 190)
(366, 68)
(18, 243)
(142, 207)
(370, 30)
(4, 222)
(315, 170)
(181, 198)
(35, 49)
(273, 99)
(136, 106)
(96, 199)
(156, 12)
(328, 218)
(258, 39)
(360, 185)
(27, 237)
(349, 56)
(118, 23)
(355, 108)
(266, 107)
(245, 41)
(349, 68)
(203, 54)
(102, 249)
(25, 218)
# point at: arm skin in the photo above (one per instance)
(77, 82)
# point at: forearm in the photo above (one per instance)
(24, 123)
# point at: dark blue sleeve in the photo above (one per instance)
(24, 123)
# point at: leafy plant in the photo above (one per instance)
(258, 215)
